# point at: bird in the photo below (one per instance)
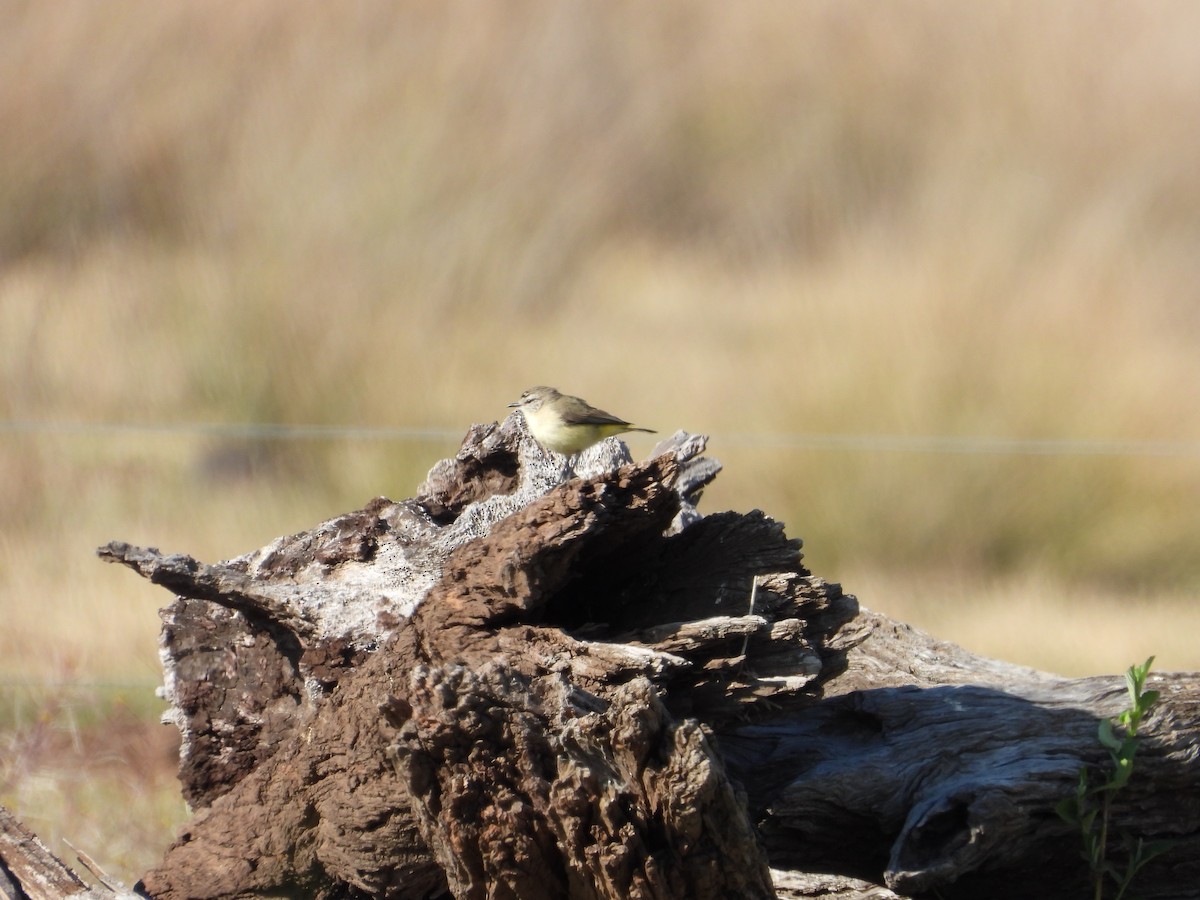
(567, 424)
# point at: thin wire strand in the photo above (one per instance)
(967, 444)
(248, 430)
(870, 443)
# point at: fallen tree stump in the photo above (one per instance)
(531, 682)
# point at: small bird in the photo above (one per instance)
(567, 424)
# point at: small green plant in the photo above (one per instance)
(1090, 806)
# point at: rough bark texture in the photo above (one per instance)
(533, 681)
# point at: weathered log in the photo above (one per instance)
(29, 871)
(534, 682)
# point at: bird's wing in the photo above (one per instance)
(591, 416)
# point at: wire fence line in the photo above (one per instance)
(81, 684)
(246, 431)
(868, 443)
(971, 444)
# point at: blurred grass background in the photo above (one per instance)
(768, 222)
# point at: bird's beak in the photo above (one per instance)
(514, 403)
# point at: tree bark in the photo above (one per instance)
(537, 682)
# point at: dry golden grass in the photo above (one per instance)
(755, 220)
(1068, 629)
(89, 767)
(758, 222)
(786, 219)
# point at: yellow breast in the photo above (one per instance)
(549, 430)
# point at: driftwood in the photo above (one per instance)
(532, 682)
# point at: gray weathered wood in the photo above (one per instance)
(29, 871)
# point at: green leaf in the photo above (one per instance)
(1135, 679)
(1110, 869)
(1151, 849)
(1087, 821)
(1107, 736)
(1128, 749)
(1068, 809)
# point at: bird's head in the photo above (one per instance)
(535, 397)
